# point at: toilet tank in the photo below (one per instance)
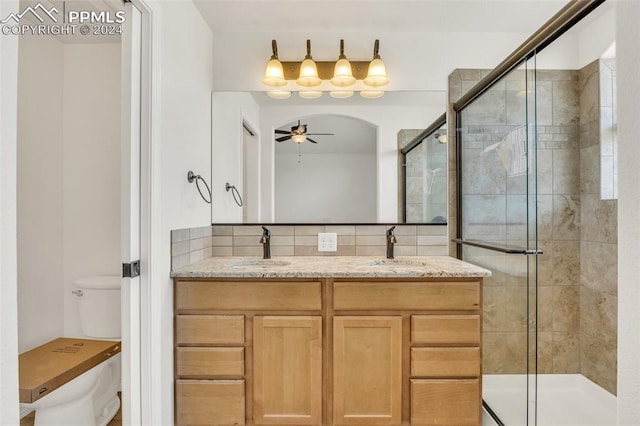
(100, 306)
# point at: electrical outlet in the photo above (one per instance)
(327, 241)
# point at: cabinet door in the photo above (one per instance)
(367, 370)
(446, 402)
(210, 402)
(287, 353)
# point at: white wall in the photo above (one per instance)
(9, 413)
(91, 172)
(181, 139)
(628, 63)
(229, 109)
(40, 191)
(325, 188)
(389, 120)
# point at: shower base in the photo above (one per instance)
(563, 400)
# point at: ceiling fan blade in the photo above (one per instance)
(321, 134)
(282, 132)
(283, 138)
(311, 140)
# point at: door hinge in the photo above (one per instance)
(131, 270)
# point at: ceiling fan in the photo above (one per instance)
(298, 134)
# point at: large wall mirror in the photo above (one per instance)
(350, 174)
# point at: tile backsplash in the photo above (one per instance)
(195, 244)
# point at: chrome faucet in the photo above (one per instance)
(265, 240)
(391, 240)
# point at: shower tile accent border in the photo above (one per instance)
(192, 245)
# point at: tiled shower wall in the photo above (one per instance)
(599, 231)
(195, 244)
(576, 229)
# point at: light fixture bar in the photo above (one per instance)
(325, 69)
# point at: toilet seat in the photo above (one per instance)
(48, 367)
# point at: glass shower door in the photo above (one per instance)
(497, 229)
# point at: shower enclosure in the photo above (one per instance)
(533, 173)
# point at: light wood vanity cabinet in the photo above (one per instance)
(328, 351)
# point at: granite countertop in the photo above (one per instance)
(330, 267)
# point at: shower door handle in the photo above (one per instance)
(506, 250)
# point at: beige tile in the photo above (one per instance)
(282, 240)
(196, 256)
(220, 241)
(405, 250)
(515, 353)
(282, 250)
(599, 266)
(307, 251)
(598, 362)
(306, 240)
(308, 229)
(200, 232)
(566, 353)
(179, 235)
(566, 263)
(371, 240)
(208, 252)
(493, 302)
(371, 230)
(566, 309)
(565, 102)
(246, 241)
(566, 171)
(347, 240)
(433, 250)
(425, 240)
(406, 230)
(281, 230)
(371, 250)
(222, 230)
(599, 219)
(178, 262)
(199, 243)
(341, 229)
(515, 308)
(180, 248)
(545, 353)
(566, 217)
(545, 309)
(240, 230)
(221, 251)
(599, 316)
(406, 240)
(493, 353)
(247, 251)
(343, 250)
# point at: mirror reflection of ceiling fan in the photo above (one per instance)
(298, 134)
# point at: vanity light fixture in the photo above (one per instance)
(308, 75)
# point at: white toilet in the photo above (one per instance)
(91, 398)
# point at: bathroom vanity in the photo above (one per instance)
(328, 341)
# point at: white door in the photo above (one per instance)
(130, 214)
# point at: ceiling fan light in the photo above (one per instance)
(341, 94)
(299, 138)
(310, 94)
(377, 75)
(372, 94)
(279, 94)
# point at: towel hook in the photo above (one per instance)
(191, 177)
(234, 192)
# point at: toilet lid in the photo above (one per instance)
(47, 367)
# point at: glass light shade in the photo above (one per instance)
(372, 94)
(274, 74)
(279, 94)
(310, 94)
(299, 138)
(341, 94)
(342, 74)
(308, 74)
(377, 75)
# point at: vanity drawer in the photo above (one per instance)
(445, 362)
(443, 296)
(210, 330)
(445, 330)
(247, 295)
(210, 402)
(445, 402)
(210, 362)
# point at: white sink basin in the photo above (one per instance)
(260, 263)
(397, 262)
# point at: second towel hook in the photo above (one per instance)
(236, 195)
